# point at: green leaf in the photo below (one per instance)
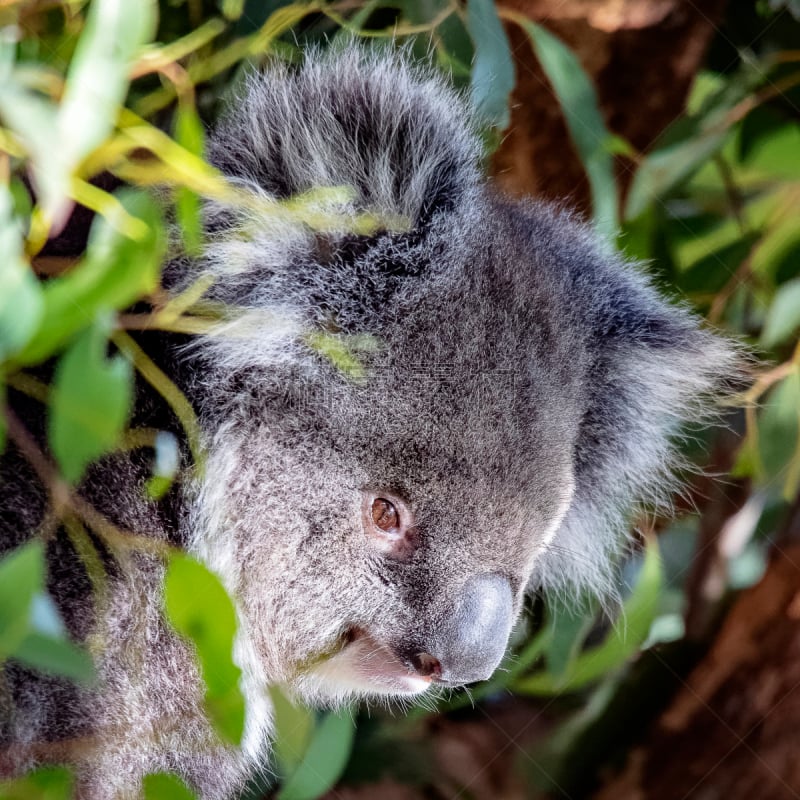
(21, 578)
(97, 79)
(163, 786)
(570, 623)
(783, 317)
(293, 727)
(623, 641)
(55, 656)
(324, 761)
(20, 295)
(116, 271)
(90, 402)
(492, 67)
(35, 121)
(45, 783)
(189, 133)
(578, 100)
(199, 608)
(779, 427)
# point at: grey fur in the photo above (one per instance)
(524, 387)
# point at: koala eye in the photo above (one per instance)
(389, 524)
(384, 514)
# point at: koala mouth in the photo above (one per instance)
(365, 664)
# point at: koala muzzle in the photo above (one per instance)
(469, 645)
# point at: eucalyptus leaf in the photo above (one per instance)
(199, 608)
(492, 66)
(90, 402)
(294, 726)
(324, 761)
(116, 271)
(21, 301)
(163, 786)
(622, 641)
(783, 318)
(97, 79)
(779, 427)
(21, 579)
(189, 133)
(45, 783)
(578, 100)
(55, 656)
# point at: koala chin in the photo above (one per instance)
(510, 393)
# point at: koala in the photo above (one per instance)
(514, 391)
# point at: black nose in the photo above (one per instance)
(469, 644)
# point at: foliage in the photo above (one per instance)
(90, 87)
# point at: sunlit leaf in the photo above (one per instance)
(45, 783)
(163, 786)
(90, 402)
(199, 608)
(492, 67)
(293, 725)
(324, 761)
(97, 79)
(115, 271)
(189, 133)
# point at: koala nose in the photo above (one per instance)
(469, 645)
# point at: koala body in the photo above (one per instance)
(515, 393)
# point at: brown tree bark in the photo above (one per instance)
(641, 55)
(733, 730)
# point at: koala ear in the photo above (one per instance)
(388, 132)
(655, 372)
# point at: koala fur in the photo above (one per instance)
(522, 388)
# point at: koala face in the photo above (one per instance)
(386, 527)
(518, 386)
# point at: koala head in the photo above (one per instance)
(504, 389)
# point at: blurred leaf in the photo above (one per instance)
(89, 403)
(492, 67)
(34, 119)
(587, 129)
(623, 641)
(690, 142)
(55, 656)
(115, 272)
(715, 269)
(189, 133)
(783, 318)
(570, 623)
(779, 427)
(164, 786)
(324, 761)
(769, 143)
(231, 9)
(668, 166)
(199, 608)
(20, 296)
(21, 578)
(45, 783)
(59, 138)
(97, 79)
(293, 726)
